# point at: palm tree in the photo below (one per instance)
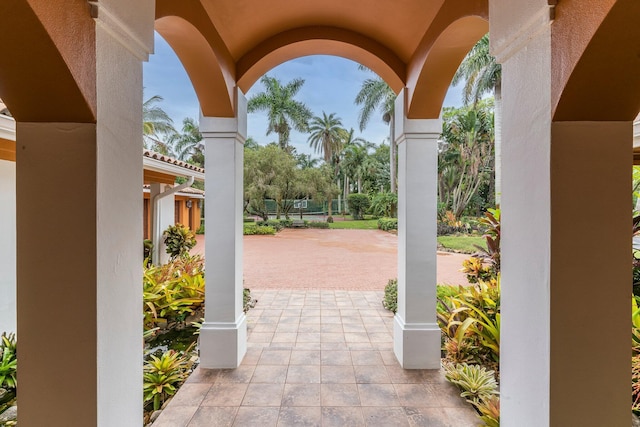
(375, 94)
(465, 157)
(283, 112)
(155, 124)
(482, 74)
(188, 143)
(305, 161)
(326, 135)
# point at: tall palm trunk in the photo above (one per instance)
(393, 153)
(497, 118)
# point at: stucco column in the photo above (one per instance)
(223, 337)
(7, 246)
(79, 260)
(165, 218)
(416, 333)
(566, 275)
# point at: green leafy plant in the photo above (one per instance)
(491, 255)
(358, 205)
(386, 224)
(264, 230)
(247, 301)
(470, 322)
(384, 204)
(8, 361)
(173, 290)
(476, 382)
(390, 301)
(489, 409)
(317, 224)
(162, 375)
(179, 240)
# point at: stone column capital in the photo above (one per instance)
(405, 128)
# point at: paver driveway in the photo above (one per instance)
(329, 259)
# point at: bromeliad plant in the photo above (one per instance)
(8, 362)
(163, 375)
(173, 291)
(470, 323)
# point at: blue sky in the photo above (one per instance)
(331, 85)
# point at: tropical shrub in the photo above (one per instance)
(384, 204)
(475, 270)
(358, 204)
(470, 322)
(277, 224)
(250, 230)
(476, 382)
(163, 375)
(491, 222)
(386, 224)
(8, 362)
(148, 249)
(390, 301)
(173, 291)
(247, 302)
(479, 387)
(317, 224)
(179, 240)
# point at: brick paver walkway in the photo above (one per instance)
(318, 358)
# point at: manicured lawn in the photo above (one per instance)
(349, 224)
(462, 243)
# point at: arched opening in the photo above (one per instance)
(432, 69)
(209, 65)
(321, 41)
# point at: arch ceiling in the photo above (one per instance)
(246, 39)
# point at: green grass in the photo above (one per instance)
(349, 224)
(462, 243)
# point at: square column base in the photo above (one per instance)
(416, 345)
(223, 345)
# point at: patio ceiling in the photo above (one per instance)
(415, 43)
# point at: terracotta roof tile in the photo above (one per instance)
(171, 160)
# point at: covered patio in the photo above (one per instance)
(318, 358)
(570, 84)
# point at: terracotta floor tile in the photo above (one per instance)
(428, 417)
(336, 374)
(213, 416)
(378, 395)
(242, 374)
(252, 416)
(191, 394)
(263, 395)
(367, 358)
(337, 357)
(225, 395)
(274, 357)
(301, 395)
(339, 395)
(337, 416)
(270, 374)
(371, 374)
(299, 417)
(420, 395)
(385, 417)
(178, 416)
(305, 357)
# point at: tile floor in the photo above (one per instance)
(318, 358)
